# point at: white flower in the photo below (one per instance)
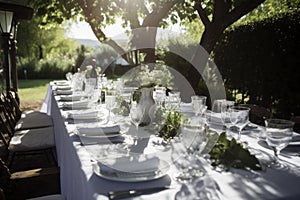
(159, 76)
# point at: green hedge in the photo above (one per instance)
(261, 60)
(45, 69)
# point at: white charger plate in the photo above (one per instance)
(133, 177)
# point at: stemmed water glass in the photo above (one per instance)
(225, 114)
(198, 103)
(110, 101)
(136, 114)
(279, 133)
(191, 142)
(239, 117)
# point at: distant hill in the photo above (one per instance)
(88, 42)
(96, 43)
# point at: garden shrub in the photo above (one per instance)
(261, 61)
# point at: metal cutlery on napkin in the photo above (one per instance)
(113, 195)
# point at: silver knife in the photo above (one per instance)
(135, 192)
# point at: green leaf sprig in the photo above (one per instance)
(229, 153)
(171, 125)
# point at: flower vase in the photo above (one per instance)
(147, 103)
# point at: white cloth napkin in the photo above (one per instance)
(76, 104)
(93, 130)
(130, 164)
(74, 97)
(86, 114)
(63, 87)
(63, 92)
(61, 82)
(213, 118)
(186, 107)
(295, 140)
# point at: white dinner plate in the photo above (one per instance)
(133, 177)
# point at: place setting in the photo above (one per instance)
(135, 168)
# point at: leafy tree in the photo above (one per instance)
(216, 16)
(35, 42)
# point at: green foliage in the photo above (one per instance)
(270, 8)
(229, 153)
(54, 68)
(171, 125)
(38, 43)
(260, 60)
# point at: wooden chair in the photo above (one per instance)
(34, 183)
(258, 114)
(27, 142)
(26, 119)
(296, 119)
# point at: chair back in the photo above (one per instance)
(13, 111)
(6, 132)
(12, 97)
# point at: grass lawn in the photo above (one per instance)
(32, 93)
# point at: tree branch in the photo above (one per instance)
(240, 11)
(202, 14)
(155, 17)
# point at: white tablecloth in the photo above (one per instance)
(79, 182)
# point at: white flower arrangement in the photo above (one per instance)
(88, 71)
(159, 76)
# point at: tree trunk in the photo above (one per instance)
(144, 39)
(208, 40)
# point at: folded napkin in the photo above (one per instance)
(61, 82)
(99, 130)
(63, 87)
(186, 107)
(74, 97)
(130, 165)
(76, 104)
(295, 140)
(64, 92)
(86, 114)
(213, 118)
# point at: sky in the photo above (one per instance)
(82, 30)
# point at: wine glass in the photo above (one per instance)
(239, 117)
(160, 95)
(279, 132)
(191, 142)
(198, 103)
(136, 114)
(225, 114)
(110, 101)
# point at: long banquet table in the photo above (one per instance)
(78, 181)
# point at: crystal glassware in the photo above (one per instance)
(279, 133)
(199, 104)
(110, 101)
(225, 114)
(239, 117)
(186, 148)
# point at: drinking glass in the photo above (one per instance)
(110, 101)
(239, 117)
(160, 95)
(217, 104)
(198, 103)
(174, 99)
(136, 114)
(225, 114)
(192, 141)
(279, 132)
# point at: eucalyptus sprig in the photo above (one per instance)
(229, 153)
